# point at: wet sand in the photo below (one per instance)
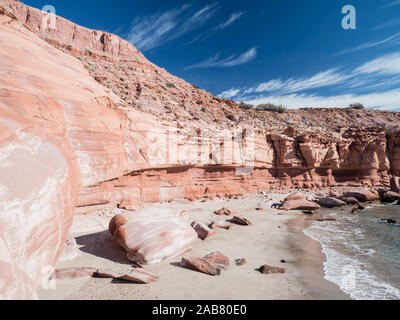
(274, 236)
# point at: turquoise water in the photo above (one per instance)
(363, 253)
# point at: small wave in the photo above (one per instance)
(348, 272)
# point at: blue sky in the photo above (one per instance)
(287, 52)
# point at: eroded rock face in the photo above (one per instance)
(151, 236)
(38, 188)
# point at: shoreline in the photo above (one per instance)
(311, 263)
(274, 236)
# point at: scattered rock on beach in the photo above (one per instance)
(219, 259)
(141, 276)
(363, 195)
(106, 273)
(241, 221)
(329, 202)
(224, 212)
(221, 224)
(202, 230)
(266, 269)
(75, 273)
(200, 265)
(211, 264)
(240, 262)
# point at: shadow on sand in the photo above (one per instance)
(101, 245)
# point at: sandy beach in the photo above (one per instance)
(274, 236)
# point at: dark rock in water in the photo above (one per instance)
(388, 196)
(283, 261)
(390, 221)
(398, 203)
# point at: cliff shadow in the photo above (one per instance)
(102, 245)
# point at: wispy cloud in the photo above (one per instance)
(229, 93)
(393, 3)
(208, 33)
(393, 40)
(322, 79)
(154, 30)
(388, 24)
(379, 73)
(388, 64)
(388, 100)
(234, 16)
(233, 60)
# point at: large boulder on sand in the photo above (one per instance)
(329, 202)
(151, 236)
(299, 204)
(363, 195)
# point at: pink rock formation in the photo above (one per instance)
(152, 236)
(299, 204)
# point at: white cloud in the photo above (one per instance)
(389, 100)
(393, 40)
(234, 16)
(387, 65)
(322, 79)
(231, 61)
(152, 31)
(392, 4)
(228, 94)
(381, 72)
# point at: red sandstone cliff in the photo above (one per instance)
(87, 121)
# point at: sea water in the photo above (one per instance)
(362, 251)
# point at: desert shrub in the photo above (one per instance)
(246, 106)
(170, 85)
(357, 106)
(271, 107)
